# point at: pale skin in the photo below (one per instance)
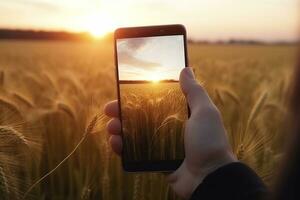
(206, 144)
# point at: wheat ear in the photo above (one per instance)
(88, 131)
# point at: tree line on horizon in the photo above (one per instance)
(15, 34)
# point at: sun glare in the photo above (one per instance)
(154, 77)
(98, 25)
(98, 32)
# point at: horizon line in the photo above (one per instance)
(110, 34)
(149, 81)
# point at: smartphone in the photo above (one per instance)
(153, 109)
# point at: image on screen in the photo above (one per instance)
(153, 106)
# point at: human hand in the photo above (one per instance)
(206, 144)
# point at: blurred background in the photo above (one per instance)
(267, 20)
(57, 72)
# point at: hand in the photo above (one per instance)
(206, 144)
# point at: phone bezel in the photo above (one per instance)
(148, 31)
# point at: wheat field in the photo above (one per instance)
(52, 96)
(153, 123)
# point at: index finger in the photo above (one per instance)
(111, 109)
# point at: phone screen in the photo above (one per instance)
(153, 107)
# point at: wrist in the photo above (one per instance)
(192, 177)
(184, 181)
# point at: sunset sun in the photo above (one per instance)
(98, 31)
(154, 77)
(98, 25)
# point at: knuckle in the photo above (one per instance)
(208, 110)
(197, 88)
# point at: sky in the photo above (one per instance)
(150, 58)
(205, 19)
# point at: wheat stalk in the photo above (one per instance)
(86, 193)
(67, 109)
(219, 97)
(23, 99)
(88, 131)
(136, 187)
(4, 191)
(256, 108)
(10, 136)
(166, 121)
(234, 97)
(1, 78)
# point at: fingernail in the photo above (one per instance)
(190, 72)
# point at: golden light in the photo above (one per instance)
(97, 31)
(99, 24)
(154, 77)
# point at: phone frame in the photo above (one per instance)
(148, 31)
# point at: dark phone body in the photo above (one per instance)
(148, 31)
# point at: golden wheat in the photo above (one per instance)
(44, 74)
(4, 191)
(89, 130)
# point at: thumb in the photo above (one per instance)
(195, 94)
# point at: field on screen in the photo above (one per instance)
(153, 120)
